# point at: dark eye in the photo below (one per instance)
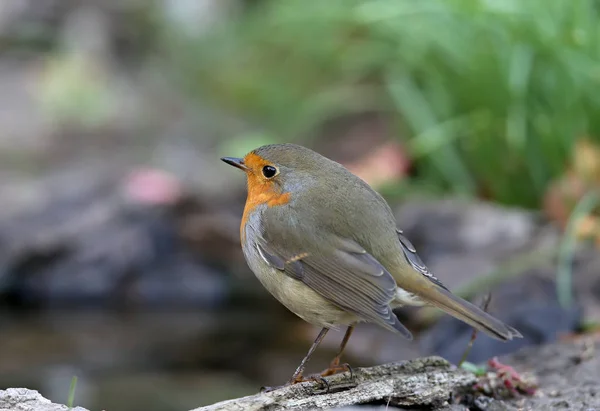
(269, 171)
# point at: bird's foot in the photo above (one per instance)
(322, 387)
(334, 368)
(337, 369)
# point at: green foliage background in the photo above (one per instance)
(489, 96)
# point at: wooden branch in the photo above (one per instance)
(426, 381)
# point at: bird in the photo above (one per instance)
(327, 246)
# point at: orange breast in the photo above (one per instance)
(261, 192)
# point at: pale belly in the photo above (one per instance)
(296, 296)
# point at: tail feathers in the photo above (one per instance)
(470, 314)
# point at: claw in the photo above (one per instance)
(348, 368)
(320, 379)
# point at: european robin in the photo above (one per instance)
(326, 245)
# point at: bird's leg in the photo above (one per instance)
(297, 377)
(334, 366)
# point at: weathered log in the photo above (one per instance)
(423, 382)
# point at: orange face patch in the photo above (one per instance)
(255, 162)
(261, 190)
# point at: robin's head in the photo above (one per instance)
(279, 173)
(279, 166)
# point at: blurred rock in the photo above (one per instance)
(482, 234)
(28, 400)
(567, 374)
(92, 244)
(461, 241)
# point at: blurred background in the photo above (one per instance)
(120, 260)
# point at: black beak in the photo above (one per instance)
(236, 162)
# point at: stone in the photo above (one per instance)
(23, 399)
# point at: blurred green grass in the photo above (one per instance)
(489, 96)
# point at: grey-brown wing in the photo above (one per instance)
(344, 273)
(410, 253)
